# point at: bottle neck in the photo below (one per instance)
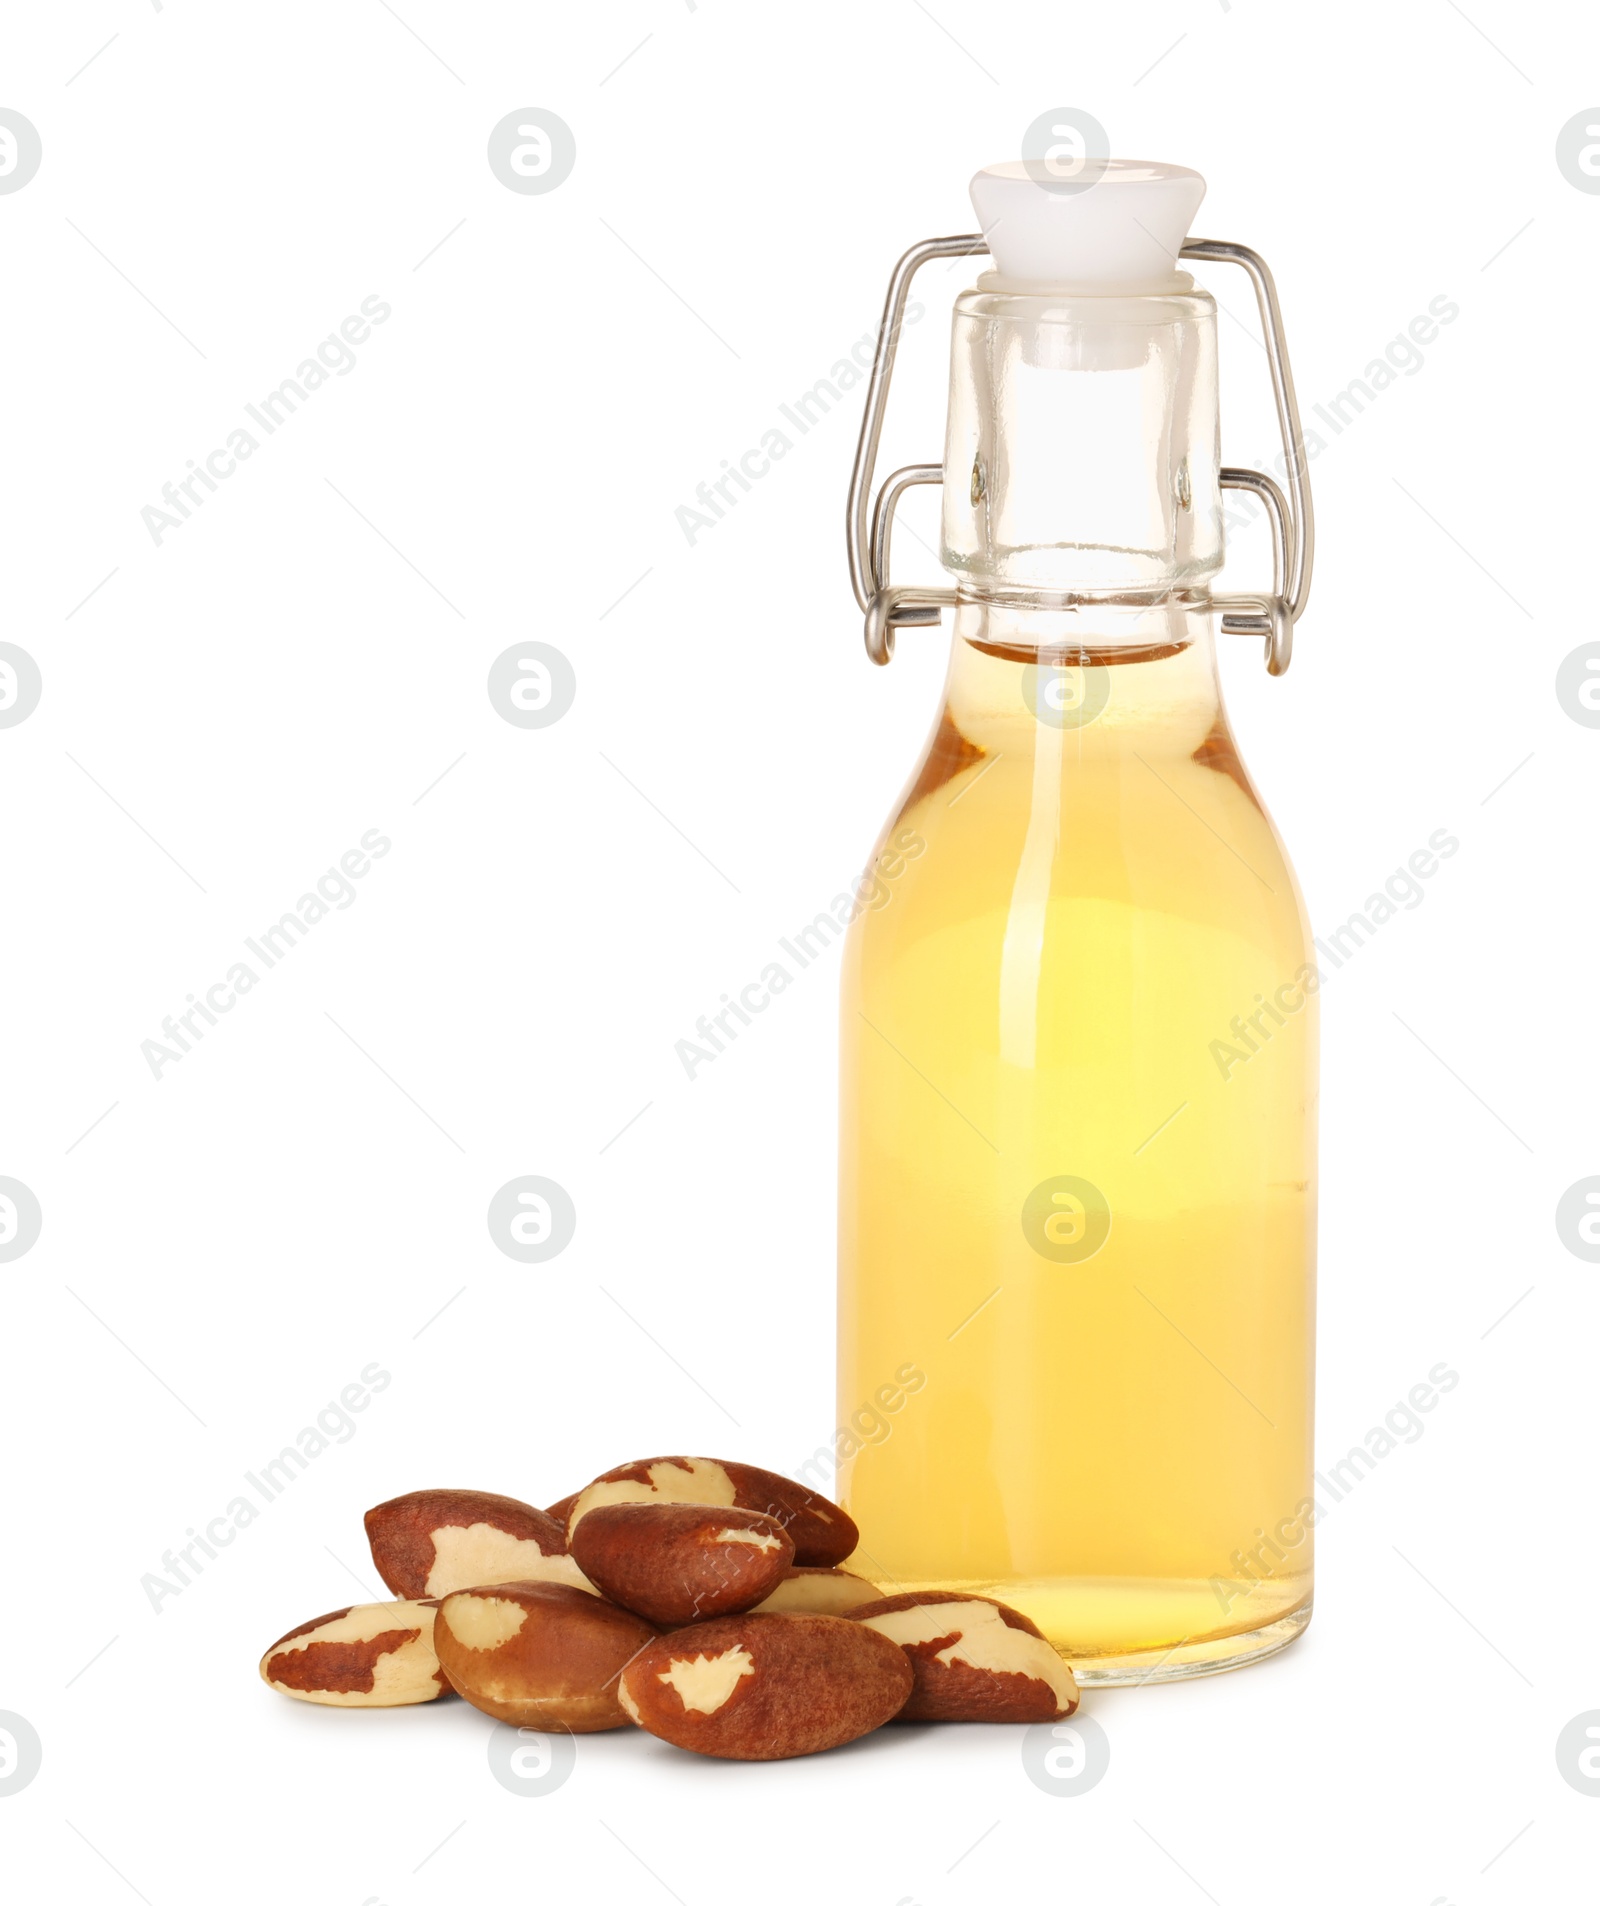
(1081, 452)
(1086, 683)
(1091, 632)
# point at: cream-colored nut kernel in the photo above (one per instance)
(974, 1659)
(818, 1591)
(820, 1530)
(985, 1642)
(435, 1541)
(673, 1479)
(703, 1683)
(377, 1654)
(485, 1621)
(480, 1554)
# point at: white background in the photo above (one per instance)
(305, 1192)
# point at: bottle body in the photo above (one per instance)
(1077, 1183)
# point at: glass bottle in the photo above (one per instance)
(1078, 1071)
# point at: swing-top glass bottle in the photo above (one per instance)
(1078, 1080)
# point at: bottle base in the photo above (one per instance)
(1190, 1659)
(1124, 1631)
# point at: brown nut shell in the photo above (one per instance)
(678, 1562)
(818, 1591)
(375, 1654)
(539, 1654)
(974, 1659)
(435, 1541)
(821, 1531)
(766, 1687)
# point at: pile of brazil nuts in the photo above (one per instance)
(701, 1600)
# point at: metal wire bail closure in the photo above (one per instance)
(868, 534)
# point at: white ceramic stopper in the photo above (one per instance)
(1122, 230)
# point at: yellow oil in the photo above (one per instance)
(1080, 911)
